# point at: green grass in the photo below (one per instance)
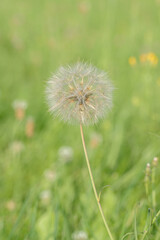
(36, 38)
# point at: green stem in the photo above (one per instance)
(153, 187)
(93, 184)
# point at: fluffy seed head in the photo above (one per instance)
(79, 94)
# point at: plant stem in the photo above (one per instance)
(93, 184)
(147, 182)
(153, 187)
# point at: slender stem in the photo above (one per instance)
(93, 184)
(153, 187)
(147, 182)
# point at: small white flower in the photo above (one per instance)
(155, 161)
(45, 196)
(65, 153)
(148, 165)
(79, 235)
(50, 175)
(19, 104)
(19, 109)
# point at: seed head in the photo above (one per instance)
(79, 94)
(79, 235)
(65, 154)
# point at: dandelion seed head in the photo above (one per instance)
(79, 94)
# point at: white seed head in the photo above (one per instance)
(19, 104)
(79, 94)
(16, 147)
(79, 235)
(50, 175)
(65, 154)
(45, 197)
(45, 194)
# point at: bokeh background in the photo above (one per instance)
(45, 190)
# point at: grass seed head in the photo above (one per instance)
(79, 94)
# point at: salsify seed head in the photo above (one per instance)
(80, 93)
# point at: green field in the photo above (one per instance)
(45, 189)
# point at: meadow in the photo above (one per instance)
(45, 190)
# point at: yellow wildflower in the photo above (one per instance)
(149, 57)
(132, 61)
(143, 58)
(152, 58)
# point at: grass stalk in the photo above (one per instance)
(153, 183)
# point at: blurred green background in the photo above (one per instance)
(45, 190)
